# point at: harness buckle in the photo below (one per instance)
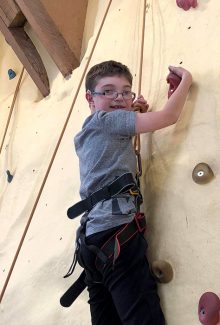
(134, 192)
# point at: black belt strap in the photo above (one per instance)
(74, 291)
(122, 184)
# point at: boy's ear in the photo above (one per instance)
(90, 100)
(89, 97)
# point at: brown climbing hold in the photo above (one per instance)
(202, 173)
(173, 80)
(209, 307)
(186, 4)
(162, 271)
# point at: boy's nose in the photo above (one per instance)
(119, 96)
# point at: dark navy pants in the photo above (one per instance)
(127, 293)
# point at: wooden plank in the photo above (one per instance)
(28, 55)
(49, 35)
(71, 22)
(11, 14)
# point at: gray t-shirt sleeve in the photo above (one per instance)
(119, 122)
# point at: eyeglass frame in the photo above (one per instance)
(133, 95)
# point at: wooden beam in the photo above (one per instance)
(28, 55)
(48, 33)
(11, 14)
(69, 19)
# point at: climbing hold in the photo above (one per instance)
(162, 271)
(209, 307)
(11, 74)
(202, 173)
(9, 176)
(186, 4)
(173, 80)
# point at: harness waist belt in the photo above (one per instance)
(122, 184)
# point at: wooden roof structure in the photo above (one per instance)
(13, 17)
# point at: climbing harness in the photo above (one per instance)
(111, 248)
(121, 184)
(109, 252)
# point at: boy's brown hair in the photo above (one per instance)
(106, 69)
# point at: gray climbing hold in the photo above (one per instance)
(202, 173)
(162, 271)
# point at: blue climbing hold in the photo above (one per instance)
(11, 74)
(9, 176)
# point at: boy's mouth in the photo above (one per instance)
(117, 107)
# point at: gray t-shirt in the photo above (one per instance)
(105, 151)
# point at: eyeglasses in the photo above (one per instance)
(112, 94)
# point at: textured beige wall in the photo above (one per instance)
(183, 217)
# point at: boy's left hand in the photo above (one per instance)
(140, 104)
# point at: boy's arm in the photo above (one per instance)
(152, 121)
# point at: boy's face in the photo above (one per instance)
(98, 101)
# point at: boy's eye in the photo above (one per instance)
(126, 93)
(108, 92)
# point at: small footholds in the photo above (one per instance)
(162, 271)
(9, 176)
(208, 309)
(202, 173)
(11, 74)
(186, 4)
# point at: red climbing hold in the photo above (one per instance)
(209, 307)
(186, 4)
(174, 82)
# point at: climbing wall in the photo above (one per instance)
(183, 215)
(39, 176)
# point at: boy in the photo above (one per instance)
(121, 287)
